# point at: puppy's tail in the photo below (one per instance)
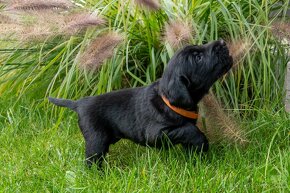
(64, 103)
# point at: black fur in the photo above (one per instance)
(139, 114)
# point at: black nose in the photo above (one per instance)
(222, 42)
(209, 46)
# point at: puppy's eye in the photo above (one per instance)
(198, 58)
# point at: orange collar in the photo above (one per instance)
(180, 111)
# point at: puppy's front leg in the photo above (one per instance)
(190, 137)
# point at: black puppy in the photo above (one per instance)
(165, 109)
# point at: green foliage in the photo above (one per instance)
(51, 68)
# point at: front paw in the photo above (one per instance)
(199, 144)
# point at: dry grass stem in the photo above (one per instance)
(177, 33)
(219, 125)
(99, 50)
(37, 5)
(238, 50)
(150, 4)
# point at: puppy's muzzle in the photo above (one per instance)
(219, 48)
(215, 45)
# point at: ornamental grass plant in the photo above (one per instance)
(46, 60)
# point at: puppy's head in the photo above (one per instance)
(192, 71)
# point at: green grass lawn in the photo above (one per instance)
(40, 153)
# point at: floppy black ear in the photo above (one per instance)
(177, 92)
(177, 83)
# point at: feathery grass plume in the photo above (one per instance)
(81, 21)
(281, 30)
(56, 22)
(150, 4)
(35, 27)
(24, 33)
(35, 33)
(219, 125)
(10, 30)
(3, 1)
(99, 50)
(41, 25)
(177, 33)
(238, 50)
(5, 19)
(36, 5)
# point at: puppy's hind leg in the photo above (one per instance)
(97, 142)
